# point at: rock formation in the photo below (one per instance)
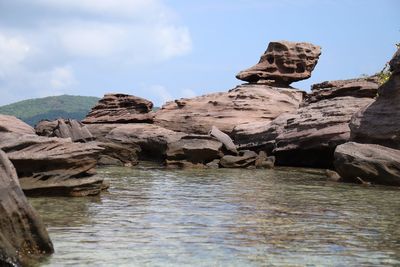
(375, 157)
(120, 108)
(50, 166)
(23, 236)
(283, 63)
(243, 104)
(69, 128)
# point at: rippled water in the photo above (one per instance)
(283, 217)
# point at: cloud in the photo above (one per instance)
(44, 43)
(160, 94)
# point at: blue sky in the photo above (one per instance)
(162, 50)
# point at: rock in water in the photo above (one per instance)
(51, 166)
(372, 163)
(243, 104)
(23, 236)
(224, 139)
(120, 108)
(283, 63)
(245, 159)
(69, 128)
(379, 122)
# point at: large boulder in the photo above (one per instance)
(310, 137)
(13, 125)
(51, 166)
(372, 163)
(283, 63)
(379, 122)
(69, 128)
(243, 104)
(120, 108)
(23, 237)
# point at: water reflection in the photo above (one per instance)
(158, 217)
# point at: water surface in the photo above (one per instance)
(226, 217)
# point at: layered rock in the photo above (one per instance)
(120, 108)
(51, 166)
(310, 136)
(23, 237)
(368, 162)
(69, 128)
(243, 104)
(283, 63)
(379, 122)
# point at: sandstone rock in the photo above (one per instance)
(309, 138)
(117, 154)
(14, 125)
(333, 176)
(243, 104)
(196, 149)
(244, 160)
(372, 163)
(224, 139)
(283, 63)
(263, 161)
(120, 108)
(379, 122)
(69, 128)
(23, 236)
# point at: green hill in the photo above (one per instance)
(64, 106)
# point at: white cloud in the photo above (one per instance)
(12, 52)
(161, 94)
(188, 93)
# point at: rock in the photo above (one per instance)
(260, 135)
(195, 149)
(243, 104)
(394, 63)
(224, 139)
(120, 108)
(53, 166)
(153, 140)
(213, 164)
(379, 122)
(23, 236)
(69, 128)
(14, 125)
(310, 137)
(117, 154)
(244, 160)
(263, 161)
(370, 162)
(333, 176)
(283, 63)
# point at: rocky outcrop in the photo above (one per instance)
(310, 136)
(10, 124)
(69, 128)
(283, 63)
(224, 139)
(120, 108)
(51, 166)
(23, 237)
(243, 104)
(379, 122)
(193, 150)
(368, 162)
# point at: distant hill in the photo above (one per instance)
(64, 106)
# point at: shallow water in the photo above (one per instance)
(226, 217)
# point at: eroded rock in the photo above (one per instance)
(68, 128)
(283, 62)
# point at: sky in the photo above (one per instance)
(167, 49)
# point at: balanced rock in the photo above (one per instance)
(243, 104)
(283, 63)
(368, 162)
(310, 137)
(379, 122)
(51, 166)
(120, 108)
(69, 128)
(23, 237)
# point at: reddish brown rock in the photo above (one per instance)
(283, 63)
(23, 236)
(243, 104)
(379, 122)
(120, 108)
(14, 125)
(69, 128)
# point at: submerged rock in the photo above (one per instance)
(23, 236)
(283, 62)
(245, 159)
(120, 108)
(368, 162)
(243, 104)
(52, 166)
